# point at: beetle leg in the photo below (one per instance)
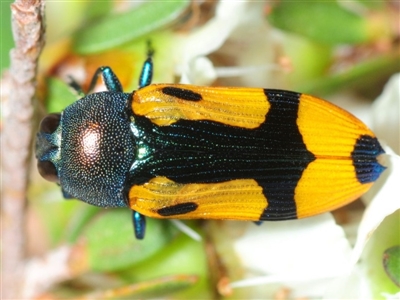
(109, 78)
(139, 224)
(76, 87)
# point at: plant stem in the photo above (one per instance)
(28, 31)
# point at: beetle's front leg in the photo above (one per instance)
(109, 78)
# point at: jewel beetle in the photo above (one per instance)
(184, 151)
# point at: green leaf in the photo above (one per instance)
(310, 60)
(386, 235)
(59, 95)
(7, 41)
(322, 21)
(112, 245)
(363, 77)
(94, 10)
(391, 263)
(182, 255)
(117, 29)
(154, 288)
(79, 220)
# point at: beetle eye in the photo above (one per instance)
(48, 171)
(50, 123)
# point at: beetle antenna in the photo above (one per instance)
(147, 70)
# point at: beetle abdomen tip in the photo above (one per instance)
(364, 155)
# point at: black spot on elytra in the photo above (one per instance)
(181, 93)
(178, 209)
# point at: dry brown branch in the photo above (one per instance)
(28, 31)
